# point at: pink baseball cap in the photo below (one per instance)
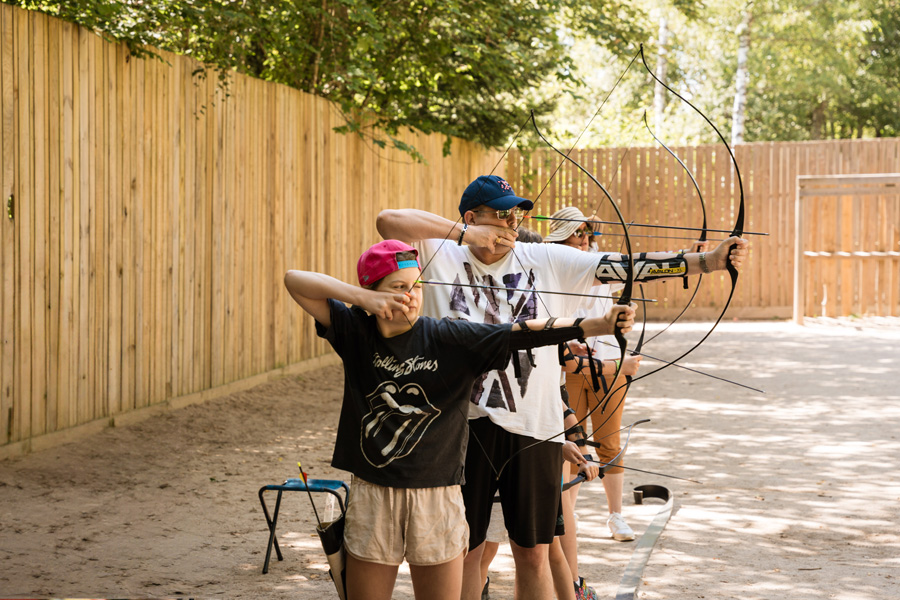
(382, 259)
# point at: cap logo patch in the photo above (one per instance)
(504, 185)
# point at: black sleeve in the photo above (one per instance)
(343, 326)
(487, 341)
(524, 339)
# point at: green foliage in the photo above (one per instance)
(475, 68)
(823, 70)
(817, 70)
(466, 68)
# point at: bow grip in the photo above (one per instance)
(730, 267)
(620, 337)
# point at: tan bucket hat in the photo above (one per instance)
(561, 230)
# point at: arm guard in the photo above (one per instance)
(645, 269)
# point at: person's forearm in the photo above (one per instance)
(536, 333)
(613, 268)
(578, 364)
(691, 260)
(590, 327)
(411, 225)
(318, 286)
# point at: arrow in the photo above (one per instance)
(546, 218)
(506, 289)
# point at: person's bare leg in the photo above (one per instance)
(490, 551)
(618, 527)
(472, 582)
(559, 569)
(438, 582)
(368, 580)
(569, 541)
(533, 579)
(612, 485)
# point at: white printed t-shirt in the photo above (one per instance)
(530, 405)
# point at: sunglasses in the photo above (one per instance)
(583, 232)
(503, 214)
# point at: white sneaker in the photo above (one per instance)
(620, 530)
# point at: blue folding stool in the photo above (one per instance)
(295, 484)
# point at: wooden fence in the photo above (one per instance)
(651, 187)
(150, 220)
(847, 245)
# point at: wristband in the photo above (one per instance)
(704, 267)
(461, 234)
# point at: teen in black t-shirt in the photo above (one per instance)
(402, 430)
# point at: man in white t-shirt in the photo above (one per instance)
(491, 280)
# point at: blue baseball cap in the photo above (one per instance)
(492, 191)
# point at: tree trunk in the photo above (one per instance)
(317, 43)
(659, 92)
(741, 77)
(817, 126)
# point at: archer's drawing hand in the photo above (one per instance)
(718, 258)
(383, 304)
(579, 349)
(631, 364)
(491, 236)
(572, 454)
(699, 246)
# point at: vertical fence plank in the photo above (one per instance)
(190, 230)
(114, 232)
(54, 233)
(167, 234)
(217, 220)
(41, 233)
(79, 356)
(127, 229)
(275, 199)
(140, 220)
(8, 251)
(156, 200)
(24, 215)
(175, 243)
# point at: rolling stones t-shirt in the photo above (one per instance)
(404, 417)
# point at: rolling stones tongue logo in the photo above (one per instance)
(398, 420)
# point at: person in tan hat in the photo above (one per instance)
(569, 226)
(480, 274)
(402, 431)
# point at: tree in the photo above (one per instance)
(741, 75)
(822, 70)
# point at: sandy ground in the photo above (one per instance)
(799, 493)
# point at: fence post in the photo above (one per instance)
(799, 279)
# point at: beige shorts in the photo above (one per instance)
(424, 526)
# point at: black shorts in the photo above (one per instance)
(529, 485)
